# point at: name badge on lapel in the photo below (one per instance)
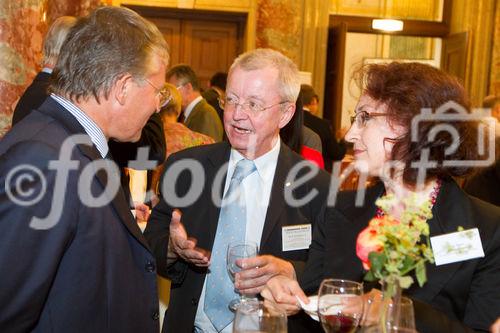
(457, 246)
(296, 237)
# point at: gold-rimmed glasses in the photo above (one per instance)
(252, 106)
(163, 93)
(362, 117)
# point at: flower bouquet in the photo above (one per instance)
(391, 249)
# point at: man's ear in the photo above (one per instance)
(121, 88)
(189, 87)
(286, 114)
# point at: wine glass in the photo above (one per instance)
(399, 318)
(340, 305)
(400, 315)
(253, 316)
(237, 251)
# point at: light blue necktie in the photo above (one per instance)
(231, 228)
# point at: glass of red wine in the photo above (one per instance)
(340, 305)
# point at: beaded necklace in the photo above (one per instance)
(432, 198)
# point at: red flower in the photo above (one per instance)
(368, 241)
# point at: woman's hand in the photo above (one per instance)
(281, 293)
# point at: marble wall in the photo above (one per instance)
(72, 7)
(279, 26)
(23, 25)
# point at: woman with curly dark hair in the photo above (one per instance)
(394, 134)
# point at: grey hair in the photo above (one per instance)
(288, 73)
(103, 47)
(185, 74)
(55, 38)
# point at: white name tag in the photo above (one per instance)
(296, 237)
(457, 246)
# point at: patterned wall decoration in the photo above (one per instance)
(279, 26)
(495, 56)
(23, 25)
(71, 7)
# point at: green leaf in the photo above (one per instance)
(405, 281)
(420, 273)
(369, 276)
(407, 263)
(377, 261)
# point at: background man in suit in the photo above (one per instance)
(77, 260)
(36, 93)
(217, 87)
(262, 88)
(197, 114)
(332, 150)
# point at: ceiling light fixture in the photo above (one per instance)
(387, 25)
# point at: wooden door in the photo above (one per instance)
(454, 54)
(171, 30)
(208, 41)
(208, 47)
(334, 75)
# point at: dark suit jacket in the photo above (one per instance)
(204, 119)
(212, 98)
(485, 185)
(200, 220)
(456, 295)
(152, 136)
(92, 271)
(332, 150)
(32, 98)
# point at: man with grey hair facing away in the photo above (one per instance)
(122, 152)
(76, 259)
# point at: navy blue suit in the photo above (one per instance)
(32, 98)
(93, 270)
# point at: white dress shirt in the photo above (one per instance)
(256, 185)
(90, 127)
(191, 106)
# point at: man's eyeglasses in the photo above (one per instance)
(252, 106)
(179, 86)
(362, 117)
(164, 94)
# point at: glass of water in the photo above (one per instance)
(252, 316)
(237, 251)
